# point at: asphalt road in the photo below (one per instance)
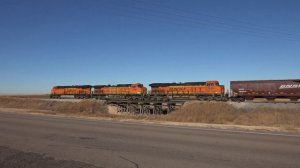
(123, 144)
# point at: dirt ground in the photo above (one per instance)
(276, 105)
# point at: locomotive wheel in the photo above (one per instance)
(201, 99)
(210, 98)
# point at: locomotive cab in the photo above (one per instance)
(139, 88)
(137, 85)
(212, 83)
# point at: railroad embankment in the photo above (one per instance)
(246, 114)
(226, 113)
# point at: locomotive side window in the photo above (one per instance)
(210, 84)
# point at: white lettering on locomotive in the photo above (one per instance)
(293, 86)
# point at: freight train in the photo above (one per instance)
(204, 91)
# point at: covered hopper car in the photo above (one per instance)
(269, 89)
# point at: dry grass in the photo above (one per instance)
(220, 113)
(38, 96)
(88, 107)
(208, 112)
(223, 113)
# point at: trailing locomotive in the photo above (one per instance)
(269, 89)
(205, 91)
(122, 91)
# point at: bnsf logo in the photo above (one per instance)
(289, 86)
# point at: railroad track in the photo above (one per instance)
(145, 107)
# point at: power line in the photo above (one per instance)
(138, 12)
(189, 25)
(244, 23)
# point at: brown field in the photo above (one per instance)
(224, 113)
(39, 96)
(197, 112)
(88, 107)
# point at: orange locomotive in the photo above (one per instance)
(126, 91)
(79, 91)
(209, 90)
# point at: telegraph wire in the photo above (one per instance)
(138, 12)
(262, 27)
(189, 25)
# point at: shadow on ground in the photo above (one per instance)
(15, 159)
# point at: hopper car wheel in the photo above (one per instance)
(235, 99)
(294, 99)
(241, 99)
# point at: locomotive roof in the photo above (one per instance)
(100, 86)
(123, 85)
(278, 80)
(118, 85)
(178, 84)
(75, 86)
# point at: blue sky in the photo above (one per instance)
(72, 42)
